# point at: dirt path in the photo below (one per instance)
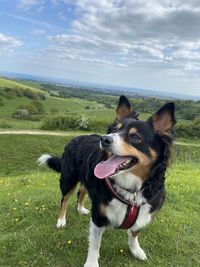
(37, 132)
(40, 132)
(187, 144)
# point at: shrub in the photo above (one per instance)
(60, 122)
(74, 122)
(184, 129)
(41, 96)
(32, 95)
(83, 123)
(188, 129)
(39, 106)
(28, 93)
(33, 111)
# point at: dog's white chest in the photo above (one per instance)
(116, 212)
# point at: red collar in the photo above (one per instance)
(132, 210)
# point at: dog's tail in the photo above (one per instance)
(53, 163)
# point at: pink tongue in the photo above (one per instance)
(108, 167)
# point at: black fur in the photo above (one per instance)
(54, 163)
(83, 153)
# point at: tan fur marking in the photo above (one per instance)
(63, 210)
(119, 125)
(162, 124)
(103, 209)
(132, 131)
(123, 112)
(128, 150)
(154, 154)
(109, 154)
(143, 167)
(82, 194)
(141, 171)
(136, 233)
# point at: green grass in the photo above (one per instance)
(71, 105)
(17, 84)
(66, 106)
(19, 153)
(29, 204)
(34, 84)
(59, 105)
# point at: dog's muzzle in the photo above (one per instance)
(106, 141)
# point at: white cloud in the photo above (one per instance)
(118, 41)
(26, 5)
(8, 44)
(163, 32)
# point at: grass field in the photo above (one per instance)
(70, 105)
(29, 204)
(52, 105)
(59, 105)
(15, 84)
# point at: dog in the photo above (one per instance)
(123, 173)
(124, 110)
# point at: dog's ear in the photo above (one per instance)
(124, 108)
(163, 120)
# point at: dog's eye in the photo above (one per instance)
(135, 138)
(115, 129)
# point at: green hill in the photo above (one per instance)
(15, 84)
(15, 95)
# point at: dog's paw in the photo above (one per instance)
(91, 264)
(61, 223)
(82, 210)
(139, 254)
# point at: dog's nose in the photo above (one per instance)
(106, 141)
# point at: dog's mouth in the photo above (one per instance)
(114, 165)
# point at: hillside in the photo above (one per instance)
(15, 84)
(12, 98)
(26, 104)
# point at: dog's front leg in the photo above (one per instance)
(134, 245)
(94, 245)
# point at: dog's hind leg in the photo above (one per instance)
(94, 245)
(67, 188)
(134, 245)
(80, 201)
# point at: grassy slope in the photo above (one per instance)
(29, 204)
(16, 84)
(71, 105)
(34, 84)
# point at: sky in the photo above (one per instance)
(152, 44)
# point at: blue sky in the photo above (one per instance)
(152, 44)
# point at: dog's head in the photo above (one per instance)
(137, 146)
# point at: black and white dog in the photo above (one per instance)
(123, 173)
